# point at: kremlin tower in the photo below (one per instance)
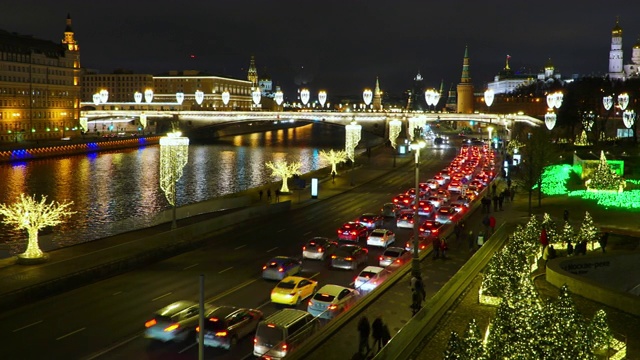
(465, 87)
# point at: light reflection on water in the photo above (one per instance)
(118, 191)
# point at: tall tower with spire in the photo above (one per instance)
(73, 52)
(252, 74)
(616, 70)
(452, 103)
(377, 96)
(465, 87)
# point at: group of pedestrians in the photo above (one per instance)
(378, 330)
(277, 193)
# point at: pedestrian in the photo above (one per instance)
(495, 202)
(436, 247)
(416, 302)
(444, 247)
(544, 239)
(566, 215)
(545, 255)
(333, 177)
(260, 193)
(364, 330)
(377, 331)
(492, 224)
(603, 241)
(418, 286)
(509, 183)
(269, 195)
(472, 241)
(551, 252)
(501, 199)
(569, 248)
(494, 188)
(277, 195)
(386, 335)
(512, 192)
(458, 230)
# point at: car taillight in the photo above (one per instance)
(280, 270)
(264, 267)
(435, 231)
(310, 303)
(348, 258)
(320, 249)
(333, 307)
(255, 340)
(304, 248)
(150, 323)
(197, 328)
(398, 261)
(333, 256)
(171, 327)
(380, 258)
(221, 333)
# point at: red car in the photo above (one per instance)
(353, 231)
(403, 200)
(429, 227)
(424, 208)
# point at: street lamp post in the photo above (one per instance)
(416, 145)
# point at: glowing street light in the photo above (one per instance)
(550, 120)
(96, 99)
(179, 97)
(199, 97)
(226, 96)
(432, 97)
(416, 145)
(395, 127)
(322, 98)
(607, 102)
(554, 101)
(305, 95)
(490, 130)
(628, 118)
(489, 96)
(174, 155)
(104, 96)
(367, 96)
(279, 97)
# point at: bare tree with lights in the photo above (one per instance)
(31, 215)
(334, 158)
(284, 170)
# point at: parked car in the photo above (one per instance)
(292, 290)
(371, 220)
(370, 277)
(318, 248)
(225, 325)
(280, 267)
(349, 257)
(332, 300)
(381, 238)
(390, 210)
(393, 255)
(353, 231)
(174, 322)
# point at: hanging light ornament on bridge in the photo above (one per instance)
(256, 95)
(550, 120)
(279, 97)
(628, 118)
(395, 126)
(367, 96)
(143, 120)
(489, 96)
(199, 97)
(623, 101)
(174, 155)
(148, 96)
(84, 122)
(137, 97)
(352, 138)
(607, 102)
(96, 99)
(415, 122)
(322, 98)
(179, 97)
(305, 96)
(104, 96)
(226, 96)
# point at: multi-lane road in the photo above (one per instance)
(105, 320)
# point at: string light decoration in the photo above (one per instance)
(551, 228)
(395, 127)
(604, 178)
(581, 140)
(588, 231)
(174, 155)
(566, 235)
(31, 215)
(415, 122)
(599, 332)
(471, 344)
(353, 134)
(285, 171)
(514, 146)
(334, 158)
(454, 348)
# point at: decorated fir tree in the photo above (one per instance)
(599, 333)
(566, 336)
(552, 231)
(471, 344)
(523, 338)
(604, 178)
(453, 348)
(566, 234)
(581, 140)
(588, 231)
(499, 332)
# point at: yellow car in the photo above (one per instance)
(292, 290)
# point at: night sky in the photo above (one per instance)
(336, 45)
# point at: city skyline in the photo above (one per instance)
(336, 46)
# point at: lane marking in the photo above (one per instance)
(190, 266)
(117, 293)
(307, 233)
(221, 295)
(314, 275)
(240, 247)
(26, 326)
(270, 250)
(71, 333)
(187, 348)
(161, 296)
(115, 346)
(265, 304)
(281, 230)
(227, 269)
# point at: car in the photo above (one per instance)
(352, 231)
(443, 194)
(381, 238)
(280, 267)
(175, 322)
(422, 244)
(440, 180)
(371, 220)
(433, 184)
(292, 290)
(461, 204)
(445, 174)
(370, 277)
(405, 219)
(393, 255)
(425, 208)
(446, 215)
(403, 200)
(331, 300)
(349, 257)
(429, 228)
(412, 193)
(318, 248)
(390, 210)
(435, 201)
(225, 325)
(455, 186)
(478, 184)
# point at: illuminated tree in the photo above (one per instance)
(28, 214)
(334, 158)
(284, 170)
(453, 348)
(514, 146)
(588, 231)
(471, 345)
(566, 333)
(552, 230)
(599, 332)
(604, 178)
(566, 235)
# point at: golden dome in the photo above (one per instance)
(637, 45)
(617, 30)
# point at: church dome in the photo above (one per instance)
(617, 30)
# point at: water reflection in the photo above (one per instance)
(117, 190)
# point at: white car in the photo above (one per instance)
(332, 300)
(370, 277)
(435, 201)
(433, 184)
(381, 238)
(393, 255)
(175, 322)
(405, 220)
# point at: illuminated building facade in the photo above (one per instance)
(39, 87)
(122, 85)
(617, 70)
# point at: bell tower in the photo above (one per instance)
(253, 72)
(616, 70)
(72, 52)
(465, 87)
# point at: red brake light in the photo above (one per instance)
(171, 327)
(380, 258)
(353, 233)
(435, 231)
(271, 326)
(221, 333)
(320, 249)
(197, 328)
(255, 340)
(348, 258)
(333, 256)
(280, 270)
(304, 248)
(150, 323)
(284, 347)
(264, 267)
